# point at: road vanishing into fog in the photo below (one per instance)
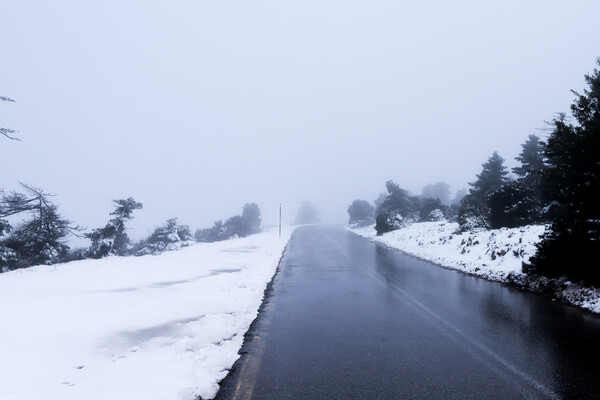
(351, 319)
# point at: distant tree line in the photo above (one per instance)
(41, 234)
(237, 226)
(557, 183)
(399, 208)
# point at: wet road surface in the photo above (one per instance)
(350, 319)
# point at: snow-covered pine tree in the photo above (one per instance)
(170, 236)
(41, 239)
(113, 238)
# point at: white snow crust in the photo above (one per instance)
(153, 327)
(496, 254)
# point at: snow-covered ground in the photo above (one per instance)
(495, 254)
(152, 327)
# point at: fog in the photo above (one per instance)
(195, 108)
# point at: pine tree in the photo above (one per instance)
(170, 236)
(518, 203)
(251, 218)
(243, 225)
(532, 161)
(113, 238)
(527, 191)
(571, 187)
(474, 212)
(514, 204)
(41, 239)
(492, 177)
(213, 234)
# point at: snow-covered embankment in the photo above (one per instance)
(495, 254)
(153, 327)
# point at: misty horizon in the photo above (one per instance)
(195, 109)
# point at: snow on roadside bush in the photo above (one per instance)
(170, 236)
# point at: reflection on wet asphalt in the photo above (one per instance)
(351, 319)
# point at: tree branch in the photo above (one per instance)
(5, 131)
(8, 133)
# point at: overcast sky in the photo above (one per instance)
(195, 107)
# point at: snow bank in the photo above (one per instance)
(495, 254)
(153, 327)
(491, 254)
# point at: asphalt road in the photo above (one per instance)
(350, 319)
